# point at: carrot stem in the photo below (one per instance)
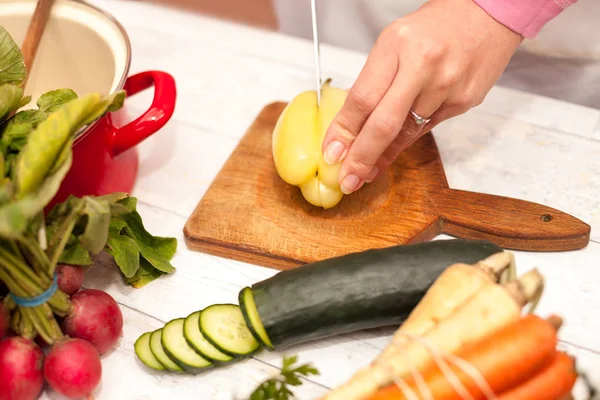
(501, 266)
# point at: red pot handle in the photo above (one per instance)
(159, 113)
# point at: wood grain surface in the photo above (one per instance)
(250, 214)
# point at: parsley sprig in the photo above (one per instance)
(278, 388)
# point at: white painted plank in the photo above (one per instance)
(491, 154)
(178, 165)
(596, 133)
(124, 376)
(542, 111)
(201, 280)
(222, 95)
(273, 54)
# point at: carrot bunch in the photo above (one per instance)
(518, 362)
(468, 339)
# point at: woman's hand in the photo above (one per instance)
(439, 62)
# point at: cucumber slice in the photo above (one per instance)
(175, 346)
(159, 352)
(223, 325)
(248, 307)
(194, 337)
(142, 350)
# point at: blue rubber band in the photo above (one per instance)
(37, 300)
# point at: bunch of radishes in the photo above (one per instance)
(72, 365)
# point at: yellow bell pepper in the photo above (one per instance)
(297, 139)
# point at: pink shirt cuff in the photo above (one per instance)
(526, 17)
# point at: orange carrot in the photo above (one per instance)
(491, 308)
(552, 383)
(504, 359)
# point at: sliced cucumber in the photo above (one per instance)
(194, 337)
(142, 350)
(159, 352)
(175, 346)
(250, 313)
(224, 326)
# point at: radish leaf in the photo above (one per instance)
(16, 215)
(18, 128)
(6, 189)
(12, 63)
(11, 97)
(46, 144)
(54, 99)
(158, 251)
(95, 235)
(124, 250)
(146, 274)
(75, 254)
(128, 238)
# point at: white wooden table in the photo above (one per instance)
(514, 144)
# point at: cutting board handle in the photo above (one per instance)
(510, 223)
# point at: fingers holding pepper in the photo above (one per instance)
(429, 63)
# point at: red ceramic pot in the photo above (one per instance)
(87, 50)
(105, 159)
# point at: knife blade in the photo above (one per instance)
(316, 46)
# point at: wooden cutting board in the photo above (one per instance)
(250, 214)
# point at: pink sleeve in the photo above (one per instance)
(526, 17)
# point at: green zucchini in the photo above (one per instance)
(142, 350)
(364, 290)
(177, 348)
(252, 318)
(159, 352)
(223, 325)
(194, 337)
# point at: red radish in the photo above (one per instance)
(4, 320)
(95, 317)
(73, 368)
(70, 278)
(21, 374)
